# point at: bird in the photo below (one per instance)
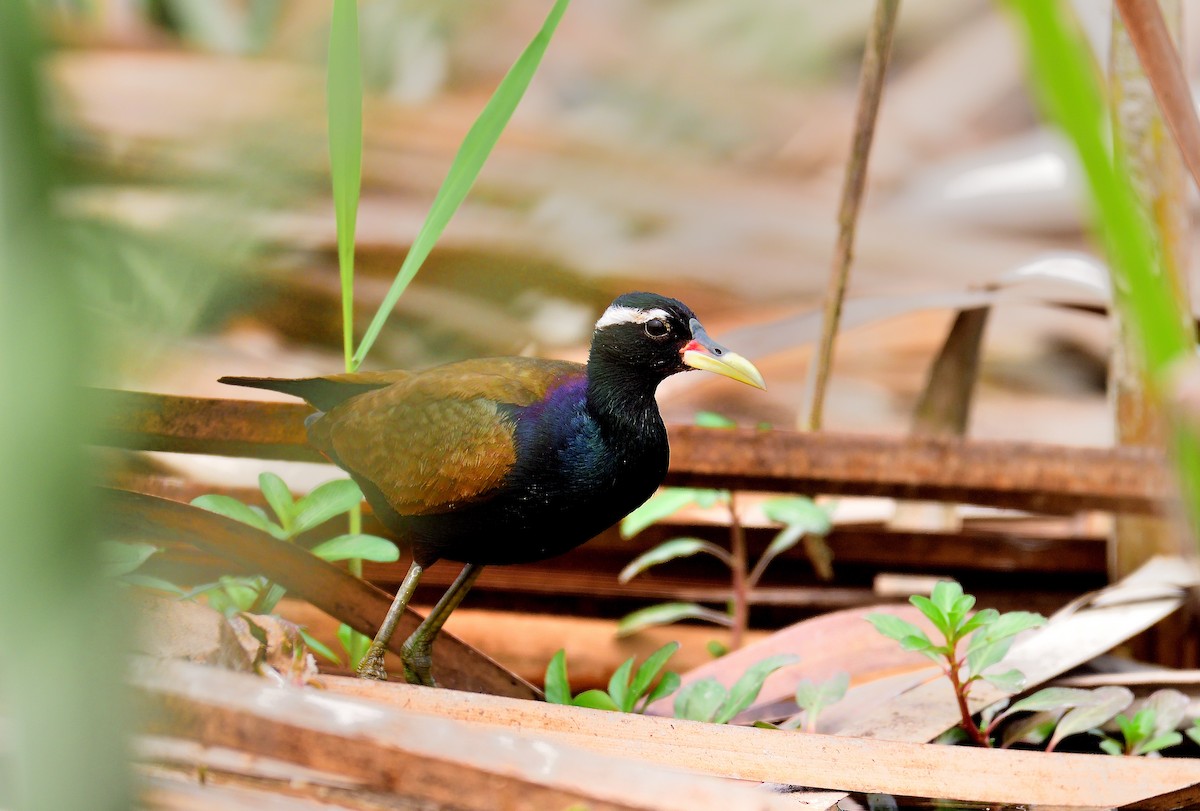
(496, 461)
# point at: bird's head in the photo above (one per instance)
(659, 336)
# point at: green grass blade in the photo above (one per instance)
(465, 169)
(344, 104)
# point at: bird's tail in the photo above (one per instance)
(322, 393)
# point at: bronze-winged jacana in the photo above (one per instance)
(507, 460)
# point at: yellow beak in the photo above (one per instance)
(702, 352)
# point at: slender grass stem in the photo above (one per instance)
(741, 590)
(870, 92)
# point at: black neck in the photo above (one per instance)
(621, 398)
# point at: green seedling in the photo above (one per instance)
(1151, 729)
(987, 635)
(627, 691)
(709, 700)
(812, 697)
(257, 594)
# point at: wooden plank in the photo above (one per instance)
(353, 601)
(833, 762)
(1028, 476)
(437, 760)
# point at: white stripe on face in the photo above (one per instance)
(630, 315)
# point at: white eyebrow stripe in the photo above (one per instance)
(630, 315)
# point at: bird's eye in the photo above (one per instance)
(657, 328)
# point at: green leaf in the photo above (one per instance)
(1051, 698)
(711, 419)
(979, 619)
(800, 512)
(669, 550)
(716, 648)
(666, 613)
(119, 558)
(1010, 681)
(1169, 706)
(1193, 731)
(945, 595)
(991, 643)
(958, 613)
(618, 686)
(279, 497)
(557, 685)
(242, 592)
(668, 684)
(317, 645)
(984, 652)
(476, 147)
(898, 629)
(1032, 729)
(1014, 622)
(354, 643)
(344, 102)
(232, 508)
(700, 700)
(664, 503)
(1112, 747)
(649, 670)
(1106, 702)
(325, 502)
(266, 604)
(1172, 738)
(746, 689)
(813, 697)
(360, 547)
(596, 700)
(934, 613)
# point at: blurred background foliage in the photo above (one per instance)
(692, 147)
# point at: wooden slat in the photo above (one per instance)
(824, 761)
(440, 761)
(1036, 477)
(355, 602)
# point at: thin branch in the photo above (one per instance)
(870, 91)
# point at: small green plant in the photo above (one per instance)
(709, 700)
(988, 635)
(1151, 728)
(257, 594)
(627, 691)
(801, 519)
(812, 697)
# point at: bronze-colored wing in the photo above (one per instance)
(438, 439)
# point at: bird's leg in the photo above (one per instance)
(417, 653)
(371, 666)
